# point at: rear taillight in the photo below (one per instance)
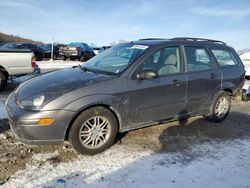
(78, 49)
(33, 62)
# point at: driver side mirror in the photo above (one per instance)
(147, 74)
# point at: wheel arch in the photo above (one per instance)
(110, 108)
(228, 90)
(4, 71)
(229, 87)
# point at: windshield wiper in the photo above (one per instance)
(98, 72)
(85, 69)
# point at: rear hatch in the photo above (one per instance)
(70, 51)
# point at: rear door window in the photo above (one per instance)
(224, 58)
(23, 46)
(198, 59)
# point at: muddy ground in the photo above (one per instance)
(174, 137)
(170, 137)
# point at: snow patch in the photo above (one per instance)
(221, 165)
(3, 114)
(44, 156)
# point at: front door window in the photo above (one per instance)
(165, 61)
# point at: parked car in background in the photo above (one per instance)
(247, 68)
(245, 58)
(106, 47)
(15, 62)
(39, 53)
(1, 44)
(77, 50)
(60, 47)
(98, 50)
(129, 86)
(47, 50)
(246, 91)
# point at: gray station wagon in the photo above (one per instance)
(128, 86)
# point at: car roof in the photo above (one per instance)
(181, 41)
(77, 43)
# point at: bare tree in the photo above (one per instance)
(122, 41)
(112, 43)
(92, 44)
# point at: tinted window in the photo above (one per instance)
(32, 46)
(224, 58)
(198, 59)
(23, 46)
(75, 44)
(10, 45)
(165, 61)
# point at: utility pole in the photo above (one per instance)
(52, 49)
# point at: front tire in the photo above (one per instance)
(3, 80)
(93, 131)
(220, 107)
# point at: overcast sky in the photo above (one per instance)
(102, 22)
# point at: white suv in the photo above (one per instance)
(247, 67)
(245, 58)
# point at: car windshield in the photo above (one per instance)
(74, 44)
(45, 47)
(11, 45)
(116, 59)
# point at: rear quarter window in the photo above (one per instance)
(198, 59)
(224, 58)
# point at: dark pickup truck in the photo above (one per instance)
(77, 50)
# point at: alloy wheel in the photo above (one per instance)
(221, 107)
(95, 132)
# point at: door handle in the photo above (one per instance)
(177, 82)
(213, 76)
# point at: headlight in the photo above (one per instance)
(32, 103)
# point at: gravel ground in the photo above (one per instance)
(182, 138)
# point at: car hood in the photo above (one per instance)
(57, 83)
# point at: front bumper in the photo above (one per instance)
(24, 128)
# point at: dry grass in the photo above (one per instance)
(11, 38)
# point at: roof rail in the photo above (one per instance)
(198, 39)
(153, 39)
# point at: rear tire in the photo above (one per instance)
(64, 58)
(39, 57)
(219, 108)
(3, 80)
(82, 58)
(93, 131)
